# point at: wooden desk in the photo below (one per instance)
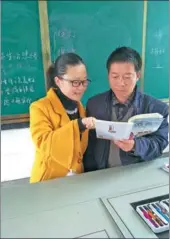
(78, 205)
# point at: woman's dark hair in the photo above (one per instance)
(59, 67)
(125, 54)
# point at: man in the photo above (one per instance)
(120, 103)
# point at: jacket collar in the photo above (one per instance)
(57, 105)
(127, 103)
(136, 95)
(137, 99)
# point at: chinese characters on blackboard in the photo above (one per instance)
(67, 36)
(158, 51)
(19, 88)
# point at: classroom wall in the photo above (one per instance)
(17, 154)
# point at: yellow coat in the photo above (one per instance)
(57, 139)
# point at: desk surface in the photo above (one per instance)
(71, 195)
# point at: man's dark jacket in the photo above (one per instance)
(146, 148)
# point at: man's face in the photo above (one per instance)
(122, 78)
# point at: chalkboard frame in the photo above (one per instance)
(14, 118)
(145, 7)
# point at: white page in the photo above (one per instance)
(113, 130)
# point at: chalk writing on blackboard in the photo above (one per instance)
(158, 35)
(17, 88)
(16, 100)
(24, 55)
(65, 33)
(18, 80)
(157, 51)
(157, 66)
(63, 50)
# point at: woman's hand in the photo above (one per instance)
(89, 122)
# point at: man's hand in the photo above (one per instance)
(126, 144)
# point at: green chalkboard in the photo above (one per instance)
(93, 29)
(22, 70)
(156, 64)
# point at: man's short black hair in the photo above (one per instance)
(125, 54)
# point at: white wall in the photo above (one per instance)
(17, 154)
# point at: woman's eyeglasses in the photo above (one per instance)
(77, 83)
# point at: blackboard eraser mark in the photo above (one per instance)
(157, 67)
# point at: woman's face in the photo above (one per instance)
(74, 83)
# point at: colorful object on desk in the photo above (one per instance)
(165, 204)
(155, 214)
(166, 167)
(147, 216)
(160, 212)
(163, 209)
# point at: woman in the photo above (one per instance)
(58, 124)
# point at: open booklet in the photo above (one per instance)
(136, 126)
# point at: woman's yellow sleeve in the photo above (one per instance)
(56, 144)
